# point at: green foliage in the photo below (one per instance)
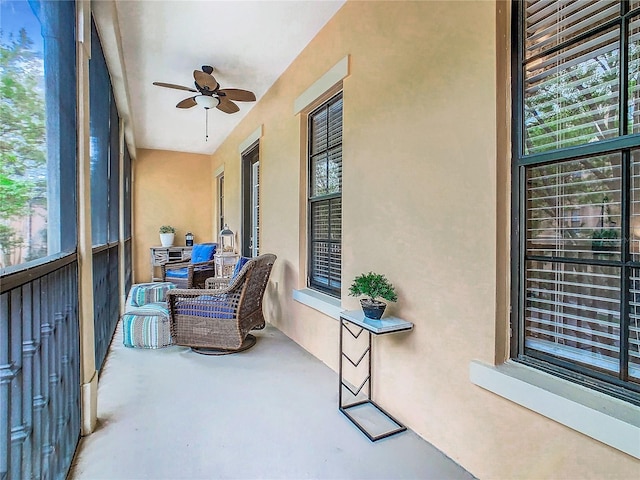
(575, 105)
(373, 285)
(9, 240)
(167, 229)
(609, 234)
(14, 196)
(22, 135)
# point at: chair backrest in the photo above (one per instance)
(252, 280)
(239, 264)
(203, 252)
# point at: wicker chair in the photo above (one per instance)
(218, 321)
(194, 272)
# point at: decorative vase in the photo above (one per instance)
(372, 310)
(166, 239)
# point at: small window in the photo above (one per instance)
(325, 197)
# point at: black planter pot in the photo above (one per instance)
(373, 310)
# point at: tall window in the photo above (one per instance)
(325, 197)
(104, 149)
(38, 136)
(576, 302)
(251, 202)
(105, 198)
(221, 201)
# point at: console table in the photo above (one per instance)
(162, 255)
(360, 412)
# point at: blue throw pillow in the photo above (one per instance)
(203, 252)
(239, 264)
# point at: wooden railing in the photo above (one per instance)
(39, 370)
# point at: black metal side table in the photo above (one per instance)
(354, 322)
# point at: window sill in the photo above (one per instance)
(326, 304)
(607, 419)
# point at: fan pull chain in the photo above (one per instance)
(206, 125)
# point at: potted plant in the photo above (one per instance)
(167, 233)
(605, 238)
(373, 286)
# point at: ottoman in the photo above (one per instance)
(145, 323)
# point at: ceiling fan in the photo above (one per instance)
(211, 95)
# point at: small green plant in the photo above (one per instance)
(167, 229)
(373, 285)
(604, 238)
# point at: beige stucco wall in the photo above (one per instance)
(169, 188)
(425, 144)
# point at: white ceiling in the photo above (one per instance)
(249, 43)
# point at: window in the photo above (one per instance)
(105, 198)
(576, 289)
(325, 197)
(221, 201)
(251, 202)
(104, 149)
(38, 153)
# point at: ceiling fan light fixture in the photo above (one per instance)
(207, 101)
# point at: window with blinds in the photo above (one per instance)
(577, 171)
(325, 197)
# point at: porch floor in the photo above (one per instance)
(266, 413)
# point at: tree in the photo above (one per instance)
(22, 138)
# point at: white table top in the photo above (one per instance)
(377, 327)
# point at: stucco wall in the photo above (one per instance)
(169, 188)
(424, 147)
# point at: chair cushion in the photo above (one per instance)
(144, 293)
(203, 252)
(239, 264)
(147, 327)
(205, 306)
(177, 272)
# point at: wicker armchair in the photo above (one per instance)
(192, 273)
(218, 321)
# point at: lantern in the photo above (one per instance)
(188, 239)
(226, 241)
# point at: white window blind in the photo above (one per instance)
(579, 210)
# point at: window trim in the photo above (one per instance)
(604, 418)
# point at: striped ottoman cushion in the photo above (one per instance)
(144, 293)
(147, 327)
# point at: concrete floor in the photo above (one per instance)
(266, 413)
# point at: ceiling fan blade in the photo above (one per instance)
(238, 94)
(177, 87)
(205, 81)
(227, 106)
(187, 103)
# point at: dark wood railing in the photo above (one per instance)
(39, 370)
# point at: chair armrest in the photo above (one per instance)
(203, 264)
(175, 264)
(182, 264)
(215, 283)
